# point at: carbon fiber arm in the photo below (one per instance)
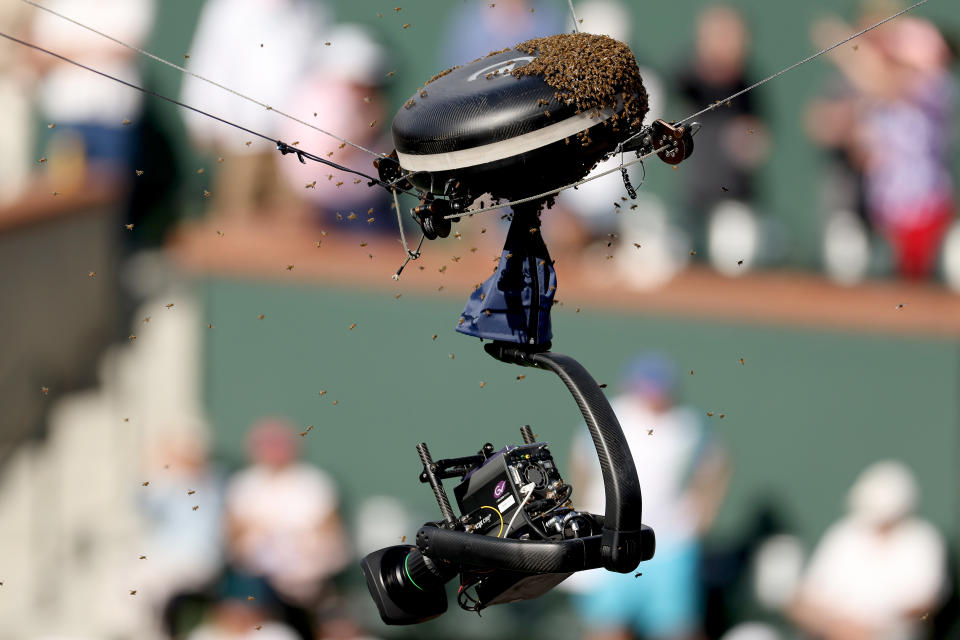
(622, 540)
(525, 556)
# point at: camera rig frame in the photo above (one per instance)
(407, 582)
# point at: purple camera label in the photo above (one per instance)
(499, 489)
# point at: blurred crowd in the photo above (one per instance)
(264, 556)
(885, 206)
(266, 553)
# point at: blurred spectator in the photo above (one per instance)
(902, 133)
(244, 610)
(684, 475)
(477, 28)
(260, 48)
(344, 91)
(879, 571)
(283, 521)
(94, 117)
(732, 143)
(183, 545)
(16, 141)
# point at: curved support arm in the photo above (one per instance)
(621, 549)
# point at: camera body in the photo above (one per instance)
(516, 493)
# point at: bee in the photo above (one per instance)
(52, 125)
(311, 185)
(248, 143)
(327, 43)
(191, 492)
(352, 326)
(649, 432)
(126, 121)
(440, 288)
(473, 249)
(724, 189)
(92, 274)
(901, 305)
(132, 337)
(339, 216)
(186, 56)
(200, 171)
(492, 5)
(352, 216)
(442, 269)
(258, 627)
(434, 338)
(398, 9)
(691, 371)
(693, 253)
(722, 416)
(370, 220)
(533, 229)
(739, 263)
(397, 297)
(636, 244)
(452, 355)
(483, 230)
(169, 305)
(336, 402)
(250, 598)
(742, 361)
(482, 384)
(603, 386)
(261, 317)
(340, 183)
(220, 160)
(145, 483)
(219, 233)
(322, 392)
(455, 258)
(56, 193)
(143, 557)
(209, 326)
(373, 123)
(206, 194)
(709, 414)
(521, 377)
(133, 592)
(45, 390)
(42, 160)
(379, 15)
(363, 244)
(289, 267)
(407, 25)
(128, 227)
(578, 309)
(195, 507)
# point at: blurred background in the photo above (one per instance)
(211, 388)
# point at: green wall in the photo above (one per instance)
(804, 414)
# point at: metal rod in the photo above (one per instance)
(528, 435)
(430, 469)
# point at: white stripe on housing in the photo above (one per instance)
(505, 148)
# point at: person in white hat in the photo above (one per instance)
(879, 572)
